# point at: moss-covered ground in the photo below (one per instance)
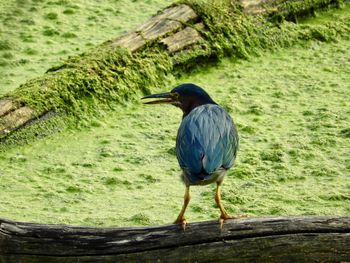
(292, 109)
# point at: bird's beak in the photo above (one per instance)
(166, 97)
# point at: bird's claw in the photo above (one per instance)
(181, 221)
(224, 217)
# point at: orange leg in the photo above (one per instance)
(224, 214)
(181, 218)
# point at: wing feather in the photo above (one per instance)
(207, 140)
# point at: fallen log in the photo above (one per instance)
(178, 38)
(262, 239)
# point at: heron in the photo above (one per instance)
(206, 142)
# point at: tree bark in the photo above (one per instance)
(264, 239)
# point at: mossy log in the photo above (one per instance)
(264, 239)
(167, 22)
(13, 115)
(181, 36)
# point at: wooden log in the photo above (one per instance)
(253, 7)
(6, 106)
(174, 28)
(170, 20)
(159, 29)
(131, 41)
(183, 38)
(180, 13)
(265, 239)
(14, 119)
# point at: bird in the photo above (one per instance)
(206, 142)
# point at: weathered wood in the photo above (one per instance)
(253, 7)
(131, 41)
(15, 119)
(6, 106)
(267, 239)
(183, 38)
(160, 28)
(170, 20)
(180, 13)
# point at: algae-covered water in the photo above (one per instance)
(293, 116)
(37, 34)
(292, 109)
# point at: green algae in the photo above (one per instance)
(43, 27)
(293, 10)
(122, 171)
(108, 74)
(47, 125)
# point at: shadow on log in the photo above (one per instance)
(264, 239)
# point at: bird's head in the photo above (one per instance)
(185, 96)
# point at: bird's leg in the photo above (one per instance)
(224, 214)
(181, 218)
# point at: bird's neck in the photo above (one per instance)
(192, 104)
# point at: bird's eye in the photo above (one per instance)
(175, 95)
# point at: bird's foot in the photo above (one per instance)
(181, 221)
(224, 217)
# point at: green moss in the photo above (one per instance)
(293, 10)
(29, 25)
(272, 156)
(111, 181)
(50, 124)
(149, 179)
(68, 11)
(345, 132)
(228, 32)
(30, 51)
(5, 45)
(3, 63)
(49, 32)
(69, 35)
(51, 16)
(140, 219)
(108, 74)
(73, 189)
(7, 55)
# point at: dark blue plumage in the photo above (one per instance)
(206, 142)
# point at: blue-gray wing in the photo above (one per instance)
(207, 140)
